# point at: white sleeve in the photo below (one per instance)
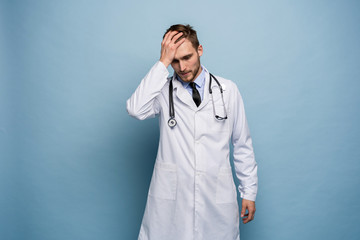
(143, 103)
(244, 159)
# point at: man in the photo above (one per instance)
(192, 193)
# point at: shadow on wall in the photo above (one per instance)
(137, 163)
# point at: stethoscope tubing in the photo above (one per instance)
(172, 122)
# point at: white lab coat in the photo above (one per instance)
(192, 194)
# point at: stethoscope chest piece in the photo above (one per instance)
(172, 122)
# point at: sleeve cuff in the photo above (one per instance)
(161, 66)
(248, 196)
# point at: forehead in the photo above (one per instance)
(184, 49)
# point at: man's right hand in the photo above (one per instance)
(168, 46)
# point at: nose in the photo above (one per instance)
(182, 66)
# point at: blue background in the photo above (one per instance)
(75, 166)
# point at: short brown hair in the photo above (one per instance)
(188, 33)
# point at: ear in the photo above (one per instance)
(200, 50)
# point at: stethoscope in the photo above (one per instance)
(172, 122)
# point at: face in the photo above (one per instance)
(186, 63)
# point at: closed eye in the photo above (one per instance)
(184, 58)
(187, 57)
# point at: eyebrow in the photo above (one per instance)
(184, 57)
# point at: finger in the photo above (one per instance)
(170, 36)
(246, 220)
(253, 210)
(176, 36)
(251, 215)
(181, 41)
(243, 210)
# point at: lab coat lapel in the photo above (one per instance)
(183, 94)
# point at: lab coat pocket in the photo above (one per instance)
(164, 181)
(225, 187)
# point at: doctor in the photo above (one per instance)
(192, 194)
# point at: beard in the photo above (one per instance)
(192, 74)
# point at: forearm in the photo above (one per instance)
(142, 103)
(244, 158)
(246, 169)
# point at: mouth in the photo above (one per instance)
(184, 74)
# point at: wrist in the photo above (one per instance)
(166, 63)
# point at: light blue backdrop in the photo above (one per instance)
(75, 166)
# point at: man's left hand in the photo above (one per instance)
(250, 206)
